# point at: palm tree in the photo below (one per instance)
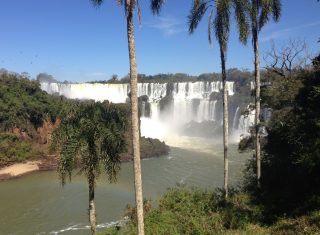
(219, 22)
(260, 12)
(90, 136)
(130, 6)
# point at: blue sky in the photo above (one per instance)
(74, 41)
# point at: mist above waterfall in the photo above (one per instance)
(168, 110)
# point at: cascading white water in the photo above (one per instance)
(155, 110)
(213, 110)
(154, 91)
(235, 120)
(116, 93)
(143, 108)
(244, 124)
(191, 101)
(206, 110)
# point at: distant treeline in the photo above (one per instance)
(241, 76)
(233, 74)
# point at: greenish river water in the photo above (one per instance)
(37, 204)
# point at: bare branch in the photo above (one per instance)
(291, 57)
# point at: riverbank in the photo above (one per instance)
(20, 169)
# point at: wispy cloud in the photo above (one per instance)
(287, 32)
(167, 25)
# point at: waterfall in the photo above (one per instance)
(155, 111)
(143, 109)
(245, 122)
(116, 93)
(155, 91)
(235, 120)
(206, 110)
(189, 101)
(213, 110)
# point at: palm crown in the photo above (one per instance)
(90, 136)
(219, 19)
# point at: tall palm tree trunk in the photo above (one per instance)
(135, 118)
(225, 122)
(257, 102)
(92, 210)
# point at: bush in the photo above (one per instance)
(24, 105)
(13, 150)
(308, 224)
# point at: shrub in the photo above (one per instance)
(12, 149)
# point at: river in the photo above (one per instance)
(37, 204)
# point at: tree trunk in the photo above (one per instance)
(257, 102)
(92, 210)
(135, 118)
(225, 122)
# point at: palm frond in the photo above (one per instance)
(222, 22)
(266, 9)
(156, 6)
(269, 7)
(276, 9)
(197, 11)
(210, 27)
(241, 10)
(68, 159)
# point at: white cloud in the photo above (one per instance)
(167, 25)
(287, 32)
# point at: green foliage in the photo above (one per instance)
(90, 135)
(238, 211)
(196, 211)
(23, 104)
(308, 224)
(282, 93)
(290, 180)
(13, 150)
